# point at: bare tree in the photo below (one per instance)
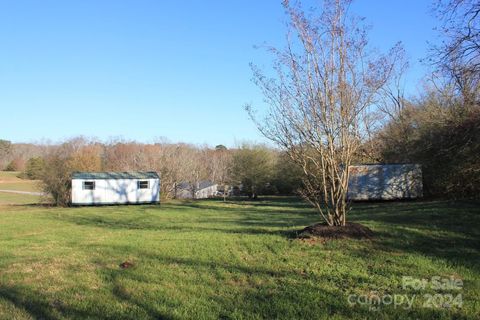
(392, 98)
(125, 156)
(219, 163)
(222, 162)
(5, 151)
(321, 99)
(457, 58)
(194, 167)
(170, 168)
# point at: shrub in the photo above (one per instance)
(56, 178)
(34, 168)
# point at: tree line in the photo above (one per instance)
(252, 169)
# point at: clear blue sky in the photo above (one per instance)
(146, 69)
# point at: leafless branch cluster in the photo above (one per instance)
(457, 58)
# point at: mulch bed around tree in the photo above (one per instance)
(351, 230)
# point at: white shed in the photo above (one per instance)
(91, 188)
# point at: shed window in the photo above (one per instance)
(143, 184)
(88, 185)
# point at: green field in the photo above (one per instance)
(210, 260)
(17, 199)
(10, 181)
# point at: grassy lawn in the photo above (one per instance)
(10, 181)
(210, 260)
(12, 198)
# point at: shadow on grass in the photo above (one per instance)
(122, 294)
(200, 226)
(27, 301)
(281, 300)
(285, 298)
(199, 216)
(438, 229)
(266, 205)
(41, 306)
(290, 296)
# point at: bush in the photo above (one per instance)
(73, 155)
(253, 168)
(56, 179)
(287, 176)
(34, 169)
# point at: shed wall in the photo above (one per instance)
(115, 191)
(385, 182)
(203, 193)
(206, 192)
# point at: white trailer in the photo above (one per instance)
(94, 188)
(385, 182)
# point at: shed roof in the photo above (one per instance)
(205, 184)
(385, 165)
(115, 175)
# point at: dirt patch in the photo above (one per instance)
(126, 264)
(351, 230)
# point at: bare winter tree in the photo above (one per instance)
(457, 58)
(392, 98)
(321, 99)
(193, 167)
(168, 162)
(5, 150)
(219, 165)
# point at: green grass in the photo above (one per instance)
(10, 181)
(210, 260)
(14, 198)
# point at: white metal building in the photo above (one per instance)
(202, 190)
(91, 188)
(385, 182)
